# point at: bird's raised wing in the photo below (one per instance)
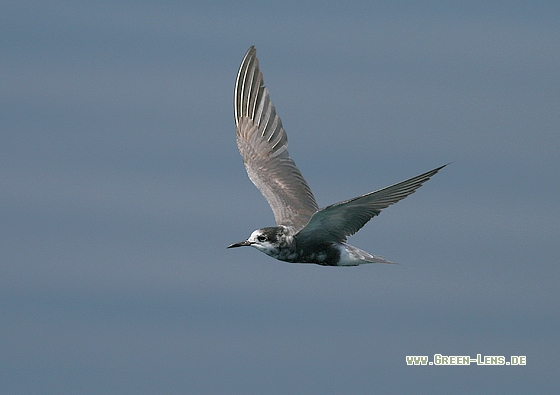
(263, 143)
(336, 222)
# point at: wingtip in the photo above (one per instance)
(249, 58)
(251, 51)
(434, 171)
(437, 169)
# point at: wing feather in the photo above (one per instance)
(263, 143)
(340, 220)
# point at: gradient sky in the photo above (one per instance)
(121, 186)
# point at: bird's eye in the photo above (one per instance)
(261, 238)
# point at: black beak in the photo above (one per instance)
(241, 244)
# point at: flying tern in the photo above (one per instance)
(303, 232)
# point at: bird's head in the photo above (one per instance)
(266, 240)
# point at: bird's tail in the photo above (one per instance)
(363, 256)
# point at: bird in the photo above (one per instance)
(303, 232)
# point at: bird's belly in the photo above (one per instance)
(326, 254)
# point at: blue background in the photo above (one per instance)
(121, 186)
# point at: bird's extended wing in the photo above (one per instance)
(336, 222)
(263, 143)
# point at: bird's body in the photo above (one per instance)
(304, 233)
(279, 242)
